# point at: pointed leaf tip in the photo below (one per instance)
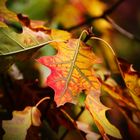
(98, 110)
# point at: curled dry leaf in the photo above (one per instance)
(132, 80)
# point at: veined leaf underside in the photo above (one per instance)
(70, 66)
(19, 45)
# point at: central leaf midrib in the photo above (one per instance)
(21, 46)
(26, 49)
(68, 78)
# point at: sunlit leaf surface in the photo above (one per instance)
(98, 111)
(71, 70)
(16, 129)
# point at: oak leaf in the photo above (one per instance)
(21, 121)
(71, 70)
(21, 38)
(132, 80)
(117, 93)
(98, 110)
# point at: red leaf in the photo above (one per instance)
(71, 70)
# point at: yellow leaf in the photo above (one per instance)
(16, 129)
(117, 93)
(60, 35)
(36, 116)
(71, 70)
(98, 110)
(69, 17)
(136, 99)
(94, 7)
(5, 14)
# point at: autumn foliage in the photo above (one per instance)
(84, 75)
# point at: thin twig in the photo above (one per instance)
(113, 7)
(89, 20)
(113, 54)
(73, 122)
(121, 30)
(68, 116)
(105, 16)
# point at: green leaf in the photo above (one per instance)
(19, 46)
(13, 43)
(21, 42)
(16, 39)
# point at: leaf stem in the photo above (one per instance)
(114, 55)
(119, 68)
(40, 101)
(27, 49)
(105, 16)
(121, 30)
(72, 66)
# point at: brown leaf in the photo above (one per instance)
(132, 80)
(117, 93)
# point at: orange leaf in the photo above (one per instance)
(71, 70)
(132, 80)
